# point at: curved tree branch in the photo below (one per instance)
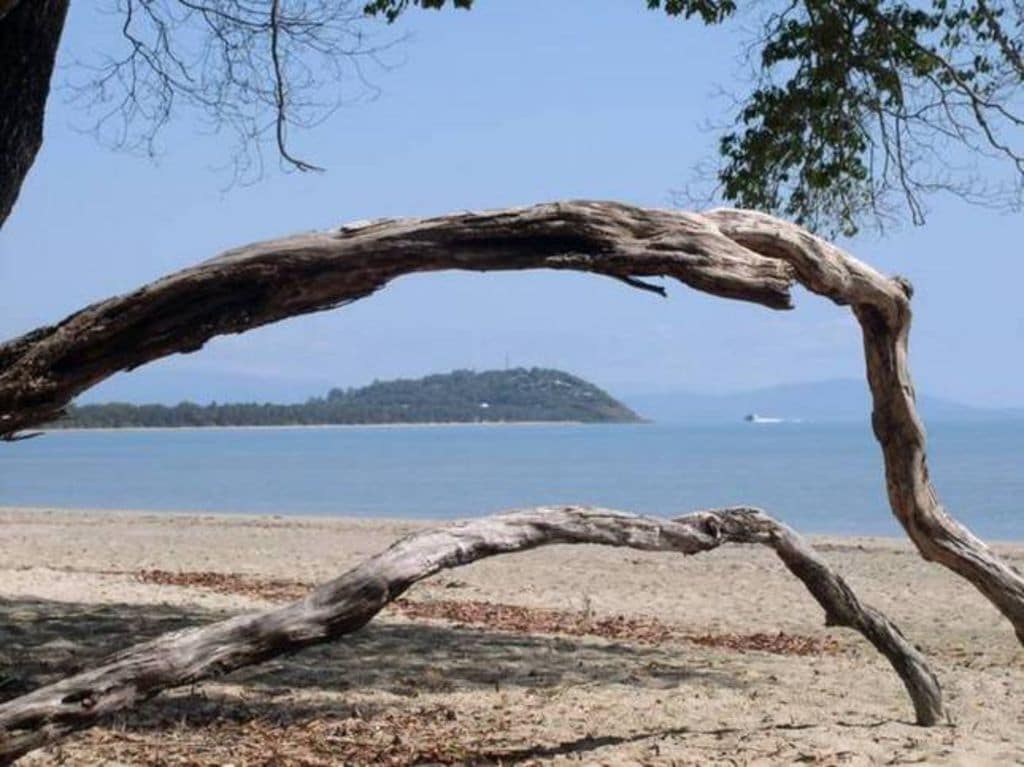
(882, 307)
(268, 281)
(347, 603)
(731, 253)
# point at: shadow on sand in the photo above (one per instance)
(42, 641)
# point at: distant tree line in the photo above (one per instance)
(463, 396)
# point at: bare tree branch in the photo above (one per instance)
(281, 115)
(252, 70)
(268, 281)
(347, 603)
(731, 253)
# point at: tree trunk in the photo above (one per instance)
(347, 603)
(30, 31)
(731, 253)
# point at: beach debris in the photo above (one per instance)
(735, 254)
(344, 605)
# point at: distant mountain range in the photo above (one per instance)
(838, 400)
(462, 396)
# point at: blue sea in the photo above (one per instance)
(819, 478)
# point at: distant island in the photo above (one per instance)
(462, 396)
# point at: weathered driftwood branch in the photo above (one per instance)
(732, 253)
(882, 307)
(265, 282)
(345, 604)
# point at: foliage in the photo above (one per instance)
(874, 99)
(462, 396)
(855, 112)
(862, 107)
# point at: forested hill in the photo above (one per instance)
(462, 396)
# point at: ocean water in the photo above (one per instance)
(819, 478)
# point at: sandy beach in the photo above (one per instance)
(567, 654)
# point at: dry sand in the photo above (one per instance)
(466, 685)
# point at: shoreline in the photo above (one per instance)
(412, 424)
(642, 657)
(227, 518)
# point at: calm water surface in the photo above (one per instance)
(819, 478)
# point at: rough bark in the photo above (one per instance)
(882, 307)
(732, 253)
(29, 34)
(347, 603)
(268, 281)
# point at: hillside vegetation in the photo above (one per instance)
(462, 396)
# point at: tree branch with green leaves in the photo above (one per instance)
(860, 110)
(857, 111)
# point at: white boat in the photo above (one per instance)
(755, 418)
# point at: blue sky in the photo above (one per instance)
(513, 103)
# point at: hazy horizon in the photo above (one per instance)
(490, 109)
(831, 386)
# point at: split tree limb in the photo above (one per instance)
(347, 603)
(731, 253)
